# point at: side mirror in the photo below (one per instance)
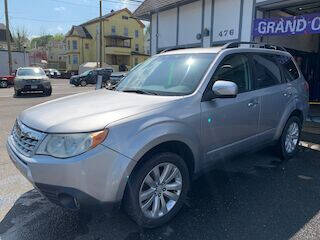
(222, 89)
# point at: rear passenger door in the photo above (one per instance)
(269, 85)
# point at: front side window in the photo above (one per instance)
(235, 68)
(74, 45)
(176, 75)
(267, 72)
(136, 47)
(68, 44)
(136, 33)
(75, 59)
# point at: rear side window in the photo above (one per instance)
(235, 68)
(267, 71)
(289, 69)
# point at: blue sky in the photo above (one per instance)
(56, 16)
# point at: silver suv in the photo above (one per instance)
(31, 79)
(167, 122)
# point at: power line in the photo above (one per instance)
(44, 20)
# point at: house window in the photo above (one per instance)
(86, 46)
(51, 57)
(69, 59)
(126, 32)
(113, 29)
(136, 61)
(136, 48)
(74, 45)
(136, 33)
(68, 44)
(75, 59)
(125, 17)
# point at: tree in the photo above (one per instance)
(58, 37)
(41, 41)
(20, 38)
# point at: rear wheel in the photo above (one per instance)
(289, 140)
(83, 83)
(3, 84)
(157, 189)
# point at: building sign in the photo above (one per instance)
(305, 24)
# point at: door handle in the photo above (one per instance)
(253, 104)
(287, 94)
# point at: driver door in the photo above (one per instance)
(228, 124)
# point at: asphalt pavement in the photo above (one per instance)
(252, 196)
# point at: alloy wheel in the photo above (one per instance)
(3, 84)
(160, 190)
(292, 137)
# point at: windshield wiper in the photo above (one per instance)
(139, 91)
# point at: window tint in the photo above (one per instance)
(235, 68)
(289, 69)
(267, 72)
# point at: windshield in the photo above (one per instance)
(169, 75)
(30, 72)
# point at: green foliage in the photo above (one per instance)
(41, 41)
(58, 37)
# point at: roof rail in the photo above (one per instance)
(171, 49)
(254, 44)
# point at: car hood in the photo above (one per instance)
(30, 77)
(87, 112)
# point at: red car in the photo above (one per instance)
(6, 81)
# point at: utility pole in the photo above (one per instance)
(100, 33)
(8, 36)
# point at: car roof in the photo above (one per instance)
(29, 68)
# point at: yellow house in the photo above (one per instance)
(123, 41)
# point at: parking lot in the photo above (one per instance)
(253, 196)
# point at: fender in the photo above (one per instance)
(294, 104)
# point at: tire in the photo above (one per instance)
(17, 93)
(292, 131)
(48, 92)
(137, 184)
(83, 83)
(3, 84)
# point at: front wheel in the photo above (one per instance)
(48, 92)
(289, 140)
(83, 83)
(3, 84)
(157, 189)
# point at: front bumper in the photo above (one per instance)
(97, 177)
(32, 87)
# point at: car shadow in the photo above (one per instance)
(30, 95)
(254, 196)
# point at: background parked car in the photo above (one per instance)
(6, 81)
(91, 77)
(52, 73)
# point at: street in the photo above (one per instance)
(252, 196)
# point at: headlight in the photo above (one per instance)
(69, 145)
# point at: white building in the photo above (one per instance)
(205, 23)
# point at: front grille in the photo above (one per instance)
(26, 140)
(32, 81)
